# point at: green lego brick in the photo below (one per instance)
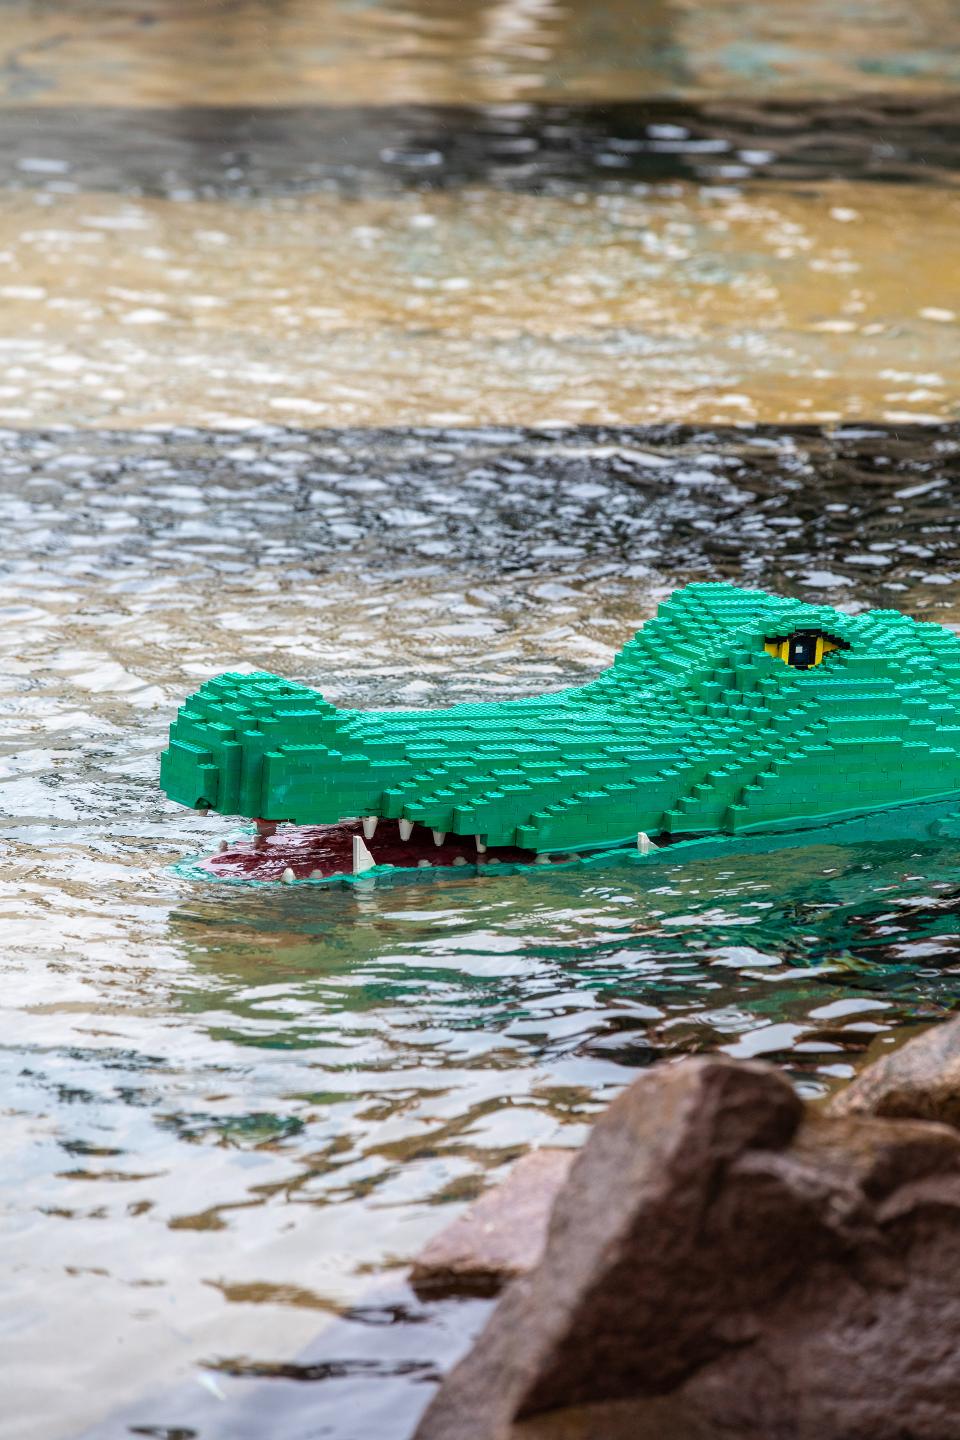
(699, 726)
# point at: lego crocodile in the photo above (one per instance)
(731, 714)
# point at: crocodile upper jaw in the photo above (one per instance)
(731, 710)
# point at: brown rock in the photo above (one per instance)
(502, 1235)
(719, 1265)
(920, 1080)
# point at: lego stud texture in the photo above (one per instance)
(731, 710)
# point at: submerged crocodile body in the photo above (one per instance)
(732, 712)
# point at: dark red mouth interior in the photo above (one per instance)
(324, 850)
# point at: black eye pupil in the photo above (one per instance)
(803, 651)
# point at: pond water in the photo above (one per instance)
(230, 1112)
(417, 355)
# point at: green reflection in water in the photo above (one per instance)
(697, 955)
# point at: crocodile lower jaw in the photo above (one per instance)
(323, 852)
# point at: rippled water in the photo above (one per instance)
(689, 302)
(230, 1112)
(334, 51)
(572, 290)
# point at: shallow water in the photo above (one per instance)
(572, 292)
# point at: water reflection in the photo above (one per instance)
(521, 228)
(705, 306)
(554, 149)
(601, 963)
(334, 52)
(230, 1111)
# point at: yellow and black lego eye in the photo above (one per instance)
(802, 649)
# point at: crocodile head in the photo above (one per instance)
(730, 711)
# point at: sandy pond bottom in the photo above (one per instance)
(231, 1115)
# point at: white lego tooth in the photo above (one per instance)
(459, 860)
(541, 859)
(481, 845)
(369, 826)
(362, 859)
(316, 874)
(424, 865)
(645, 844)
(439, 836)
(288, 877)
(406, 829)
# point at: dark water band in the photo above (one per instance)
(213, 152)
(858, 515)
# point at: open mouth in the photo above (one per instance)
(321, 852)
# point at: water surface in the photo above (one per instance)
(231, 1113)
(339, 51)
(693, 303)
(415, 351)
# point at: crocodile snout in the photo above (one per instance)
(731, 710)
